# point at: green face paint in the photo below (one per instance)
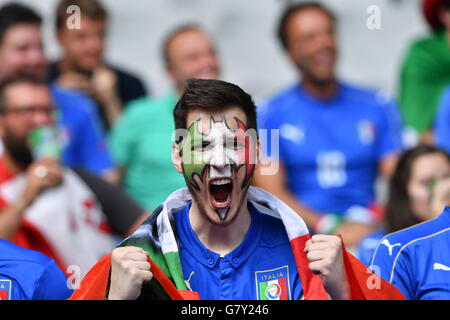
(192, 156)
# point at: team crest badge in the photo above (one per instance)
(5, 289)
(273, 284)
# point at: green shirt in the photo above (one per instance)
(141, 142)
(425, 74)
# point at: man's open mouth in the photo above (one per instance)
(220, 192)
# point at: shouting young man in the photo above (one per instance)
(221, 238)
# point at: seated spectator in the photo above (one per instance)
(22, 53)
(335, 138)
(29, 275)
(68, 215)
(141, 140)
(426, 71)
(418, 191)
(82, 65)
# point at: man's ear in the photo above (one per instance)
(176, 157)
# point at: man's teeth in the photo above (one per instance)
(221, 181)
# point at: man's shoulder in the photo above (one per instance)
(396, 243)
(12, 253)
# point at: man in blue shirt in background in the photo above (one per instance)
(29, 275)
(21, 52)
(334, 138)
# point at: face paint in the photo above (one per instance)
(218, 165)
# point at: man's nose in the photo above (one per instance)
(219, 159)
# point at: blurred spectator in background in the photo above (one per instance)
(426, 71)
(141, 142)
(419, 190)
(30, 275)
(441, 134)
(82, 65)
(335, 138)
(68, 215)
(22, 53)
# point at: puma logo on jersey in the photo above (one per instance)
(390, 246)
(440, 266)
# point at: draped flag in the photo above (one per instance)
(157, 236)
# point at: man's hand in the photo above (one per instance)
(104, 84)
(324, 252)
(129, 270)
(41, 174)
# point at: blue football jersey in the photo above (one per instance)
(416, 260)
(29, 275)
(262, 267)
(331, 149)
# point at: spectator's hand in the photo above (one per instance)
(104, 85)
(324, 252)
(129, 270)
(42, 174)
(440, 196)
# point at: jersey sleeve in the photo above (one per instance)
(442, 122)
(121, 211)
(402, 276)
(383, 258)
(52, 285)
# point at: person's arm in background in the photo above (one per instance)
(442, 122)
(11, 214)
(94, 151)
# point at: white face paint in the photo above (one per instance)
(211, 162)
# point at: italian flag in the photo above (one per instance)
(157, 236)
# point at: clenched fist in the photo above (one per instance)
(324, 253)
(129, 270)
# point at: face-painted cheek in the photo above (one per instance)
(246, 155)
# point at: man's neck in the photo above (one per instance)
(322, 91)
(220, 239)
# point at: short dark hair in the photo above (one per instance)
(12, 14)
(213, 95)
(291, 10)
(172, 35)
(399, 213)
(15, 80)
(92, 9)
